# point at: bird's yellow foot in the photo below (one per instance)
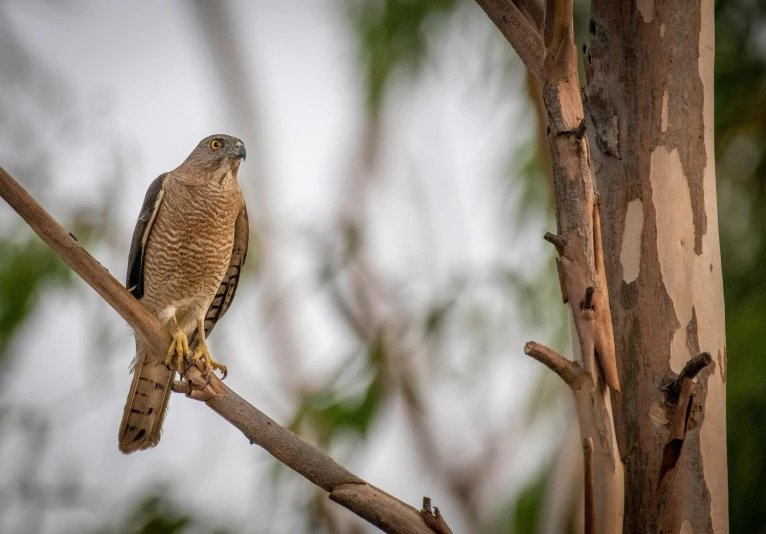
(179, 349)
(204, 353)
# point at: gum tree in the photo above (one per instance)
(639, 258)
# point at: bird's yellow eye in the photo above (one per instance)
(215, 144)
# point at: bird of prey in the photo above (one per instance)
(188, 248)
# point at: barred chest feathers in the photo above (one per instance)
(189, 250)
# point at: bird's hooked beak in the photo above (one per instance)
(239, 151)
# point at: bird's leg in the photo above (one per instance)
(203, 352)
(179, 347)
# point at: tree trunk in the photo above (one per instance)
(649, 102)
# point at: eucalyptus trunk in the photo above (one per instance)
(649, 106)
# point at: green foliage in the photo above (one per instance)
(155, 514)
(25, 268)
(529, 504)
(392, 34)
(334, 410)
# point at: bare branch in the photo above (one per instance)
(535, 11)
(520, 32)
(368, 502)
(569, 371)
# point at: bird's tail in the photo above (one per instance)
(147, 401)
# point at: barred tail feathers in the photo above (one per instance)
(147, 403)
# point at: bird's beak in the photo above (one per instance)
(239, 151)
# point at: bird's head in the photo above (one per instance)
(216, 153)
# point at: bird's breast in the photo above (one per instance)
(189, 246)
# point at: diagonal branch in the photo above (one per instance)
(520, 31)
(365, 500)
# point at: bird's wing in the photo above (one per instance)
(152, 202)
(228, 287)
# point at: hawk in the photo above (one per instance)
(188, 248)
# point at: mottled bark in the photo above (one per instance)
(649, 101)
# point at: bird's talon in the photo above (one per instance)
(178, 349)
(219, 366)
(202, 352)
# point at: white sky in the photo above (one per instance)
(137, 73)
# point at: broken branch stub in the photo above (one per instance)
(604, 486)
(569, 371)
(690, 371)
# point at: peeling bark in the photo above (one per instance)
(578, 242)
(650, 74)
(580, 261)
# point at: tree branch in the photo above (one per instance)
(569, 371)
(578, 242)
(535, 11)
(368, 502)
(520, 32)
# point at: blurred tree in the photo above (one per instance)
(740, 87)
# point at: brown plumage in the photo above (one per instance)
(188, 247)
